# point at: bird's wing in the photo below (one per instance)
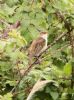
(36, 46)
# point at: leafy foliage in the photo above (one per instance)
(56, 63)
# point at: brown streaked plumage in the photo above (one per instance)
(37, 46)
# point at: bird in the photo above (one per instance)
(37, 46)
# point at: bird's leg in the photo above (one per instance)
(38, 60)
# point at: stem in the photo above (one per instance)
(69, 27)
(72, 50)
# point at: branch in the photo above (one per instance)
(31, 66)
(32, 3)
(4, 22)
(9, 28)
(17, 64)
(57, 50)
(69, 27)
(54, 42)
(19, 92)
(58, 78)
(43, 3)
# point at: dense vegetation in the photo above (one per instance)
(20, 23)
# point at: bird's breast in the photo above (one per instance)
(45, 46)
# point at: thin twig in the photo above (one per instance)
(43, 3)
(59, 78)
(69, 27)
(32, 3)
(4, 22)
(54, 42)
(64, 78)
(14, 94)
(9, 28)
(57, 50)
(30, 67)
(18, 68)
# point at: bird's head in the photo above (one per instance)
(44, 34)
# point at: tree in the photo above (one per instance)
(21, 21)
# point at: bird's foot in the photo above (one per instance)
(38, 60)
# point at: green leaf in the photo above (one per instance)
(11, 83)
(8, 10)
(7, 96)
(54, 95)
(67, 69)
(5, 66)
